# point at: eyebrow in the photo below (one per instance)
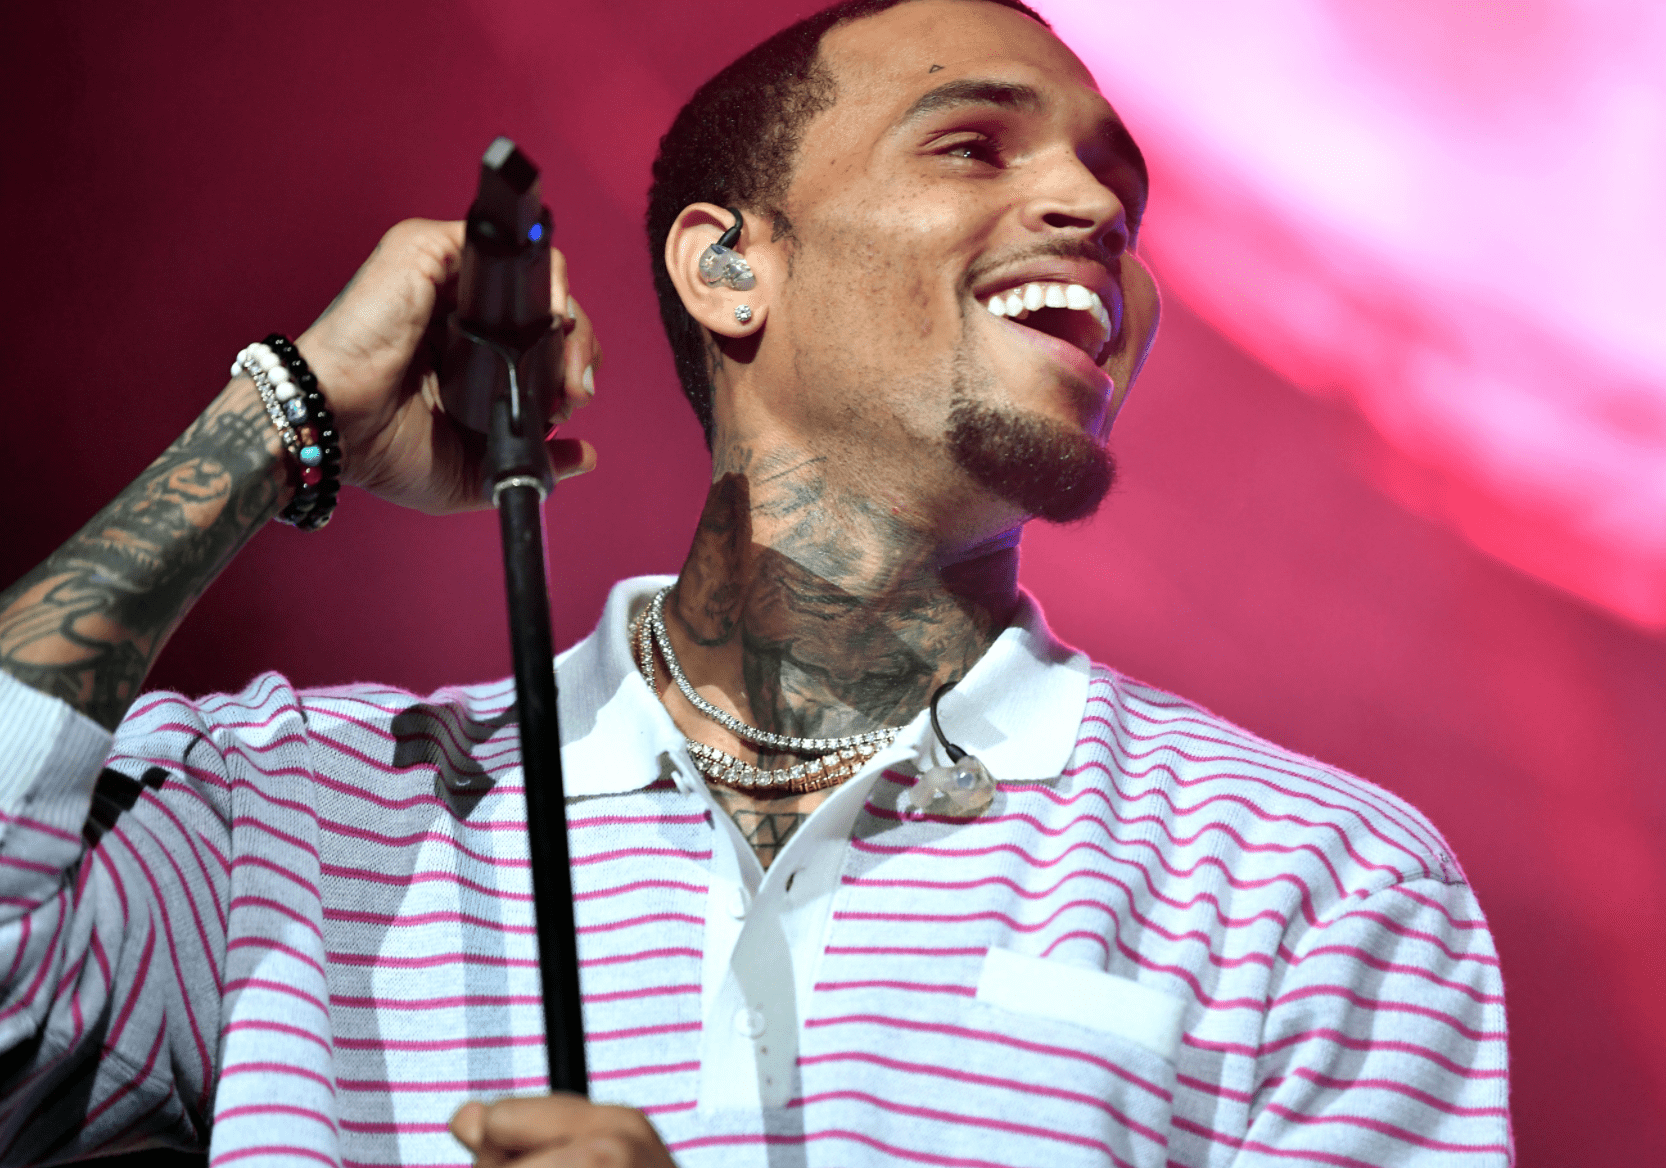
(971, 91)
(1009, 95)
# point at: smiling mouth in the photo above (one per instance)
(1067, 312)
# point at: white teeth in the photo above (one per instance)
(1018, 303)
(1100, 314)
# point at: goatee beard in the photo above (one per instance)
(1047, 468)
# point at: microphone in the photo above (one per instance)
(496, 375)
(496, 378)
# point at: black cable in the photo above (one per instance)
(954, 752)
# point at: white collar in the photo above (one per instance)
(1018, 709)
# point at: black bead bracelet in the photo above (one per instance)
(319, 451)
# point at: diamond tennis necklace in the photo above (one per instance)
(838, 758)
(656, 622)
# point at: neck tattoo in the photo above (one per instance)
(831, 761)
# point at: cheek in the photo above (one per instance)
(877, 264)
(1142, 309)
(858, 293)
(922, 309)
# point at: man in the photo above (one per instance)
(298, 923)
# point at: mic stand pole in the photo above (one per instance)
(496, 379)
(521, 523)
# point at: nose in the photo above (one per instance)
(1068, 197)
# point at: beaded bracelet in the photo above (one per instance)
(289, 391)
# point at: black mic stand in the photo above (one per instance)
(497, 380)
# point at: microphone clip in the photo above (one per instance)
(496, 373)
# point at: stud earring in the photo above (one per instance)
(743, 313)
(721, 264)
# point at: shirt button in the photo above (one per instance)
(737, 902)
(749, 1023)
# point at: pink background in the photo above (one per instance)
(1442, 571)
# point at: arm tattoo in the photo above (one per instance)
(85, 625)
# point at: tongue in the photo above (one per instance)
(1055, 322)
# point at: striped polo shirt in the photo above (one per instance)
(297, 926)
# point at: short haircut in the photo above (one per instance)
(736, 144)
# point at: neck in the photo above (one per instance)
(810, 610)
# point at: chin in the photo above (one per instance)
(1048, 468)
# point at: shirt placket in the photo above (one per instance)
(764, 940)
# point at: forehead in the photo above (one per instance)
(882, 63)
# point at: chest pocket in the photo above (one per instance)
(1043, 1064)
(1094, 1053)
(1085, 997)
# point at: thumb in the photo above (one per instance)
(469, 1125)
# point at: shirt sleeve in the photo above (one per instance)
(112, 927)
(1385, 1040)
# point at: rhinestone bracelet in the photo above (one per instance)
(289, 391)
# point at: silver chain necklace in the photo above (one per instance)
(725, 769)
(662, 640)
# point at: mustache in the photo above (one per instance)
(1091, 250)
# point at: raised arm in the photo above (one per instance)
(114, 878)
(85, 625)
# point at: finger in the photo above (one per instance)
(566, 404)
(469, 1125)
(447, 237)
(436, 245)
(525, 1123)
(601, 1150)
(574, 358)
(570, 457)
(538, 1123)
(428, 246)
(580, 357)
(450, 238)
(559, 292)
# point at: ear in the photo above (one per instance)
(697, 228)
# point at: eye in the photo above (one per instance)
(974, 149)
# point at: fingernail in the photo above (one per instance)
(589, 378)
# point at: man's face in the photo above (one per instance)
(968, 158)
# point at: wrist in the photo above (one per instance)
(305, 424)
(321, 356)
(334, 373)
(240, 397)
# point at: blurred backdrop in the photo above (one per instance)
(1394, 482)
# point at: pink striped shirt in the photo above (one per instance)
(298, 926)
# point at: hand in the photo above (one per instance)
(373, 353)
(558, 1131)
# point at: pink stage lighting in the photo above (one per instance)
(1449, 215)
